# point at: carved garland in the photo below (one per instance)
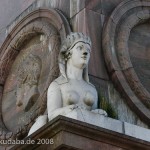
(25, 29)
(115, 45)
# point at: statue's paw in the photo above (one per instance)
(75, 106)
(72, 107)
(40, 121)
(100, 111)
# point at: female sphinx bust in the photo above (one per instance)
(72, 89)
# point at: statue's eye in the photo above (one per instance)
(79, 47)
(89, 50)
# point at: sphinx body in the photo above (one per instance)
(72, 90)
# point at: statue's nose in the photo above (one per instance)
(85, 53)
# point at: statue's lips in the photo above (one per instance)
(84, 57)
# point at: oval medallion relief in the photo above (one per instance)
(29, 64)
(126, 50)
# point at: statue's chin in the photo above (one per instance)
(83, 65)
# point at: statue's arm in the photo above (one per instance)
(95, 105)
(55, 102)
(54, 98)
(95, 108)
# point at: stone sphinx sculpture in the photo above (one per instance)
(72, 90)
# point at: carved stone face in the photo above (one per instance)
(80, 55)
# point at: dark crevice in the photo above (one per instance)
(1, 85)
(77, 13)
(99, 78)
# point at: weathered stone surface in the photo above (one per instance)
(108, 6)
(137, 87)
(1, 94)
(124, 112)
(89, 23)
(68, 134)
(40, 38)
(101, 85)
(6, 63)
(12, 90)
(94, 5)
(104, 7)
(96, 119)
(116, 50)
(136, 131)
(14, 8)
(140, 52)
(110, 124)
(63, 5)
(76, 6)
(2, 35)
(17, 114)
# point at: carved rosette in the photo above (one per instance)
(28, 64)
(116, 33)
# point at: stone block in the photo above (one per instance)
(94, 5)
(2, 36)
(130, 98)
(62, 5)
(96, 119)
(101, 87)
(9, 10)
(109, 123)
(76, 6)
(68, 133)
(14, 8)
(139, 53)
(1, 93)
(89, 22)
(108, 6)
(137, 132)
(6, 63)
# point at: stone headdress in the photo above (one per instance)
(71, 40)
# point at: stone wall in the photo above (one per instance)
(89, 17)
(75, 135)
(9, 11)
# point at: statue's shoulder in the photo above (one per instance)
(56, 84)
(61, 80)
